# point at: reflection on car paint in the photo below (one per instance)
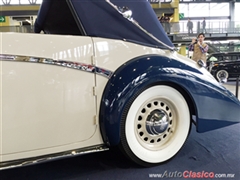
(29, 161)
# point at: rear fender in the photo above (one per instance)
(147, 71)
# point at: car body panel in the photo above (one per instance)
(214, 107)
(46, 107)
(64, 86)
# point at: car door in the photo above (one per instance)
(47, 100)
(236, 66)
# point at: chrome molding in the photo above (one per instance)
(68, 64)
(29, 161)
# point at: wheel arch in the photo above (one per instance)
(191, 104)
(131, 78)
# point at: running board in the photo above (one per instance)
(40, 159)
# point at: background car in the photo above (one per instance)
(224, 65)
(226, 70)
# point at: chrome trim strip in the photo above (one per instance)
(68, 64)
(30, 161)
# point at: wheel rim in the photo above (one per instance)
(222, 74)
(171, 112)
(155, 123)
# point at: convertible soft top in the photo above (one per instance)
(97, 18)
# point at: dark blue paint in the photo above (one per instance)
(99, 19)
(214, 104)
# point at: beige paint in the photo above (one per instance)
(45, 108)
(111, 54)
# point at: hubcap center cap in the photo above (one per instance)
(157, 122)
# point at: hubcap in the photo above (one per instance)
(157, 122)
(222, 74)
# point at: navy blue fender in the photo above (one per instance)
(213, 105)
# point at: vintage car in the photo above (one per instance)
(103, 74)
(224, 65)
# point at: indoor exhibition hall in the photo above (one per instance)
(119, 89)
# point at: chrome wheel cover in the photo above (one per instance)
(155, 123)
(222, 74)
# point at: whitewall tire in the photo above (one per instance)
(222, 75)
(155, 126)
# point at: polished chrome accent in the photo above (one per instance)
(157, 122)
(209, 68)
(127, 13)
(29, 161)
(201, 63)
(68, 64)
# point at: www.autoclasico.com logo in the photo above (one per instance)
(191, 174)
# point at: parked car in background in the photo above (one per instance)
(224, 65)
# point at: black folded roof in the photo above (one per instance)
(98, 19)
